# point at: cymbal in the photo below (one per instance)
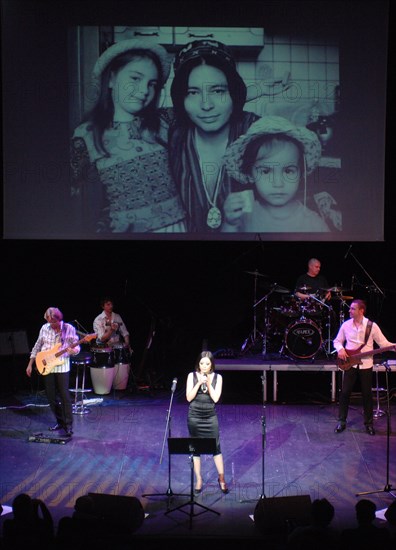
(304, 288)
(280, 289)
(335, 289)
(342, 297)
(256, 274)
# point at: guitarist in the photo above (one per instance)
(56, 384)
(358, 335)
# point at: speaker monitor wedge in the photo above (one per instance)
(281, 514)
(122, 513)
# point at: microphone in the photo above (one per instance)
(347, 252)
(174, 382)
(204, 387)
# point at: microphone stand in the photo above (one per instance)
(263, 441)
(167, 434)
(329, 310)
(264, 336)
(388, 486)
(374, 287)
(80, 327)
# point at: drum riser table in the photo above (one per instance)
(275, 366)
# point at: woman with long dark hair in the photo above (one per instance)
(203, 391)
(208, 96)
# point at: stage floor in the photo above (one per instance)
(279, 450)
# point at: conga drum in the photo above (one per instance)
(102, 370)
(122, 366)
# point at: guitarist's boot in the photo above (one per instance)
(56, 428)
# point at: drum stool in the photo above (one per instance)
(378, 412)
(80, 361)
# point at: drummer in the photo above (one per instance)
(109, 326)
(312, 282)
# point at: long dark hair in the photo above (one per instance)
(236, 86)
(101, 116)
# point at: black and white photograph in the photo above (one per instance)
(189, 132)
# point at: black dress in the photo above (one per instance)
(202, 418)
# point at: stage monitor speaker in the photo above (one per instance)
(282, 514)
(122, 514)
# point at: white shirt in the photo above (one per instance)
(351, 336)
(99, 326)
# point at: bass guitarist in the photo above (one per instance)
(55, 331)
(354, 344)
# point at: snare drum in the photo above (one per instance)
(303, 339)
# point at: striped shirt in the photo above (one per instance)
(48, 338)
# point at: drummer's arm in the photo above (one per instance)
(301, 295)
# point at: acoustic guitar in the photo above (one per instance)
(354, 357)
(48, 359)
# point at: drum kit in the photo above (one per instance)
(299, 328)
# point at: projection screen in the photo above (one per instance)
(282, 136)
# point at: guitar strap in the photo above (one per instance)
(63, 334)
(366, 335)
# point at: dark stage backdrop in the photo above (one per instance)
(319, 64)
(197, 294)
(195, 291)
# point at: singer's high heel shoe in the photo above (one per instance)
(222, 484)
(198, 486)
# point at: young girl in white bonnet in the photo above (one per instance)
(273, 159)
(119, 157)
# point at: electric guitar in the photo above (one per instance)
(354, 356)
(48, 359)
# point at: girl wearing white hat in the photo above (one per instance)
(118, 154)
(273, 159)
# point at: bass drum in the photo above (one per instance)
(303, 339)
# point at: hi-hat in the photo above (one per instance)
(347, 297)
(304, 288)
(256, 273)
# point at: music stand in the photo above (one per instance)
(189, 446)
(167, 434)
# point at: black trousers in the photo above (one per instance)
(350, 378)
(58, 395)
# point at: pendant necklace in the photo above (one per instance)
(213, 218)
